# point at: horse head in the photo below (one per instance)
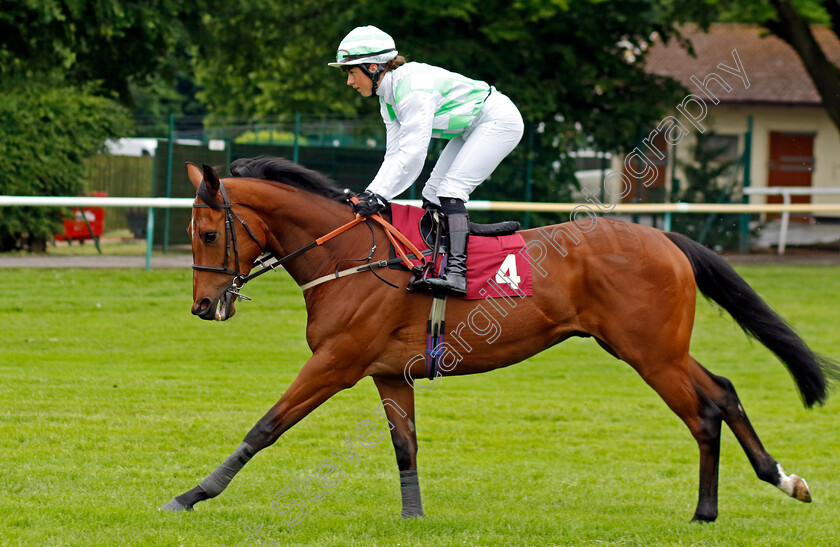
(224, 246)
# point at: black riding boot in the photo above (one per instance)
(454, 279)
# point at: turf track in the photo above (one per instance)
(114, 399)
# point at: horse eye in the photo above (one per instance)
(209, 237)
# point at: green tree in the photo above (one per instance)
(138, 52)
(270, 58)
(575, 69)
(48, 128)
(65, 65)
(712, 177)
(577, 66)
(113, 42)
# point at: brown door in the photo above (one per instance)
(791, 164)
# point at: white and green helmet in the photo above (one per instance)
(365, 45)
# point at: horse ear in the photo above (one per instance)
(211, 179)
(194, 174)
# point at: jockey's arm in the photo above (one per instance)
(407, 145)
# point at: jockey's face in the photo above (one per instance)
(359, 81)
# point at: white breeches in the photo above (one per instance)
(471, 157)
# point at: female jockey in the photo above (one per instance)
(419, 102)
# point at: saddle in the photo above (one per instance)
(437, 240)
(497, 266)
(497, 253)
(430, 228)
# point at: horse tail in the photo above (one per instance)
(719, 282)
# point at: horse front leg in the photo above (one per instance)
(319, 379)
(398, 400)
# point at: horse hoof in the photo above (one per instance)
(175, 506)
(704, 518)
(800, 489)
(411, 514)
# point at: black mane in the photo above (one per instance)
(208, 198)
(287, 172)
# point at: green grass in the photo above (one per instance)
(113, 399)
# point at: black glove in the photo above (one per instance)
(428, 205)
(369, 203)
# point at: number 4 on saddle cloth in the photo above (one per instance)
(497, 265)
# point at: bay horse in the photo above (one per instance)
(614, 281)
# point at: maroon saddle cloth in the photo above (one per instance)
(497, 266)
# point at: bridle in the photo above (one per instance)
(239, 279)
(230, 243)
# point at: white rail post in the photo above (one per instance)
(783, 230)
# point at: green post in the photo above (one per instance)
(675, 182)
(529, 173)
(675, 187)
(744, 228)
(228, 153)
(639, 187)
(150, 237)
(604, 166)
(171, 153)
(296, 146)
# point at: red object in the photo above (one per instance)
(791, 164)
(485, 257)
(75, 228)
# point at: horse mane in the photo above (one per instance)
(207, 197)
(287, 172)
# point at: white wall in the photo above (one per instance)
(732, 120)
(826, 173)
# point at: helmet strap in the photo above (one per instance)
(374, 76)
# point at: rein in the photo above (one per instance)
(239, 279)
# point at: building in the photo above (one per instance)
(741, 73)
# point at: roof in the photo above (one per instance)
(775, 72)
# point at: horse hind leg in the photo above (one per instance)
(722, 393)
(703, 419)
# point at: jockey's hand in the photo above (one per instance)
(369, 203)
(428, 205)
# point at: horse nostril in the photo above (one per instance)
(202, 306)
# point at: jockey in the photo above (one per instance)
(419, 102)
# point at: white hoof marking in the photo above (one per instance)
(793, 485)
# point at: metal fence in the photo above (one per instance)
(154, 205)
(120, 176)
